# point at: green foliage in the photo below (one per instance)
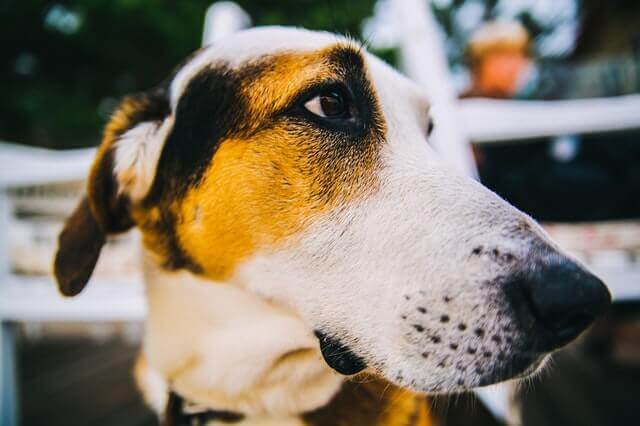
(65, 64)
(332, 15)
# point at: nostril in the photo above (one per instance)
(551, 303)
(563, 298)
(563, 320)
(573, 321)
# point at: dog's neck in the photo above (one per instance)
(226, 349)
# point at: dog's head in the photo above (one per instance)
(296, 165)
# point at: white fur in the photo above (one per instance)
(136, 157)
(226, 348)
(153, 385)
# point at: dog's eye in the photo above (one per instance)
(329, 104)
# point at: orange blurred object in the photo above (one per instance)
(499, 74)
(498, 53)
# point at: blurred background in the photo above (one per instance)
(538, 99)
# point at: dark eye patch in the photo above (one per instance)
(348, 120)
(347, 65)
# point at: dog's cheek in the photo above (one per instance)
(240, 206)
(255, 195)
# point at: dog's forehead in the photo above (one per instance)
(241, 47)
(244, 46)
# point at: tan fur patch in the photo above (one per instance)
(269, 180)
(373, 402)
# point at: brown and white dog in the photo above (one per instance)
(298, 229)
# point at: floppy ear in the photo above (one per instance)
(112, 183)
(79, 246)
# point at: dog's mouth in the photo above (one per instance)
(338, 356)
(519, 364)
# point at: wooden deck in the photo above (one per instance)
(78, 382)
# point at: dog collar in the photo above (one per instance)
(181, 412)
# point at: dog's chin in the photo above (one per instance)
(519, 365)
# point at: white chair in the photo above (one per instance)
(29, 298)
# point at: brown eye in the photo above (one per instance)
(328, 105)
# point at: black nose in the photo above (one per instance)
(562, 298)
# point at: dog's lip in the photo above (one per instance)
(338, 356)
(518, 365)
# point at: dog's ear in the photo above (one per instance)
(79, 246)
(119, 174)
(104, 210)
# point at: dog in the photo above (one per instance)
(308, 259)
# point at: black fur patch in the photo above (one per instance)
(208, 110)
(349, 64)
(176, 414)
(175, 257)
(155, 106)
(110, 207)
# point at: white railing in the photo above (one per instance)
(491, 120)
(23, 165)
(23, 297)
(424, 61)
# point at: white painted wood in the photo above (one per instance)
(223, 18)
(497, 399)
(22, 165)
(424, 61)
(623, 282)
(5, 220)
(8, 379)
(491, 120)
(38, 299)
